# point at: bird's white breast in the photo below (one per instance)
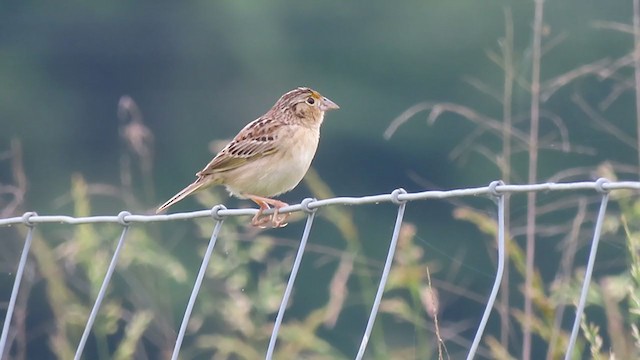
(281, 171)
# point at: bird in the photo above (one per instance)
(269, 156)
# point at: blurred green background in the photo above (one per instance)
(200, 70)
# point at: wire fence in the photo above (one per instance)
(496, 190)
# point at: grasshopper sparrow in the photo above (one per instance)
(269, 156)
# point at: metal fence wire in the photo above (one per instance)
(399, 198)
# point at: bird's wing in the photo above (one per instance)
(259, 138)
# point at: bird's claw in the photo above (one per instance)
(260, 220)
(277, 220)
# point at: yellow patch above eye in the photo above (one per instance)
(316, 95)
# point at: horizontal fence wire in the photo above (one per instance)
(496, 190)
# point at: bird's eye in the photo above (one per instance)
(311, 101)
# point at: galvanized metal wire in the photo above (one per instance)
(496, 190)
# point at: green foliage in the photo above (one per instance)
(617, 295)
(234, 314)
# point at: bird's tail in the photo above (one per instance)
(196, 185)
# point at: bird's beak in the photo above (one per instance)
(327, 104)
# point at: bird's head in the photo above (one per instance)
(305, 103)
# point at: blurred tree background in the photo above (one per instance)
(199, 71)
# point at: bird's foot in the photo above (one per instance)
(277, 220)
(260, 220)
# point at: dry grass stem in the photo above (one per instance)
(615, 66)
(603, 123)
(484, 88)
(532, 178)
(636, 68)
(612, 25)
(618, 89)
(338, 290)
(549, 87)
(431, 302)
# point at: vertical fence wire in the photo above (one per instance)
(587, 276)
(385, 271)
(499, 272)
(103, 287)
(292, 277)
(199, 278)
(16, 283)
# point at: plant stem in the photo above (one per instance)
(533, 167)
(507, 52)
(636, 67)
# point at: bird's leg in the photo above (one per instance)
(277, 220)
